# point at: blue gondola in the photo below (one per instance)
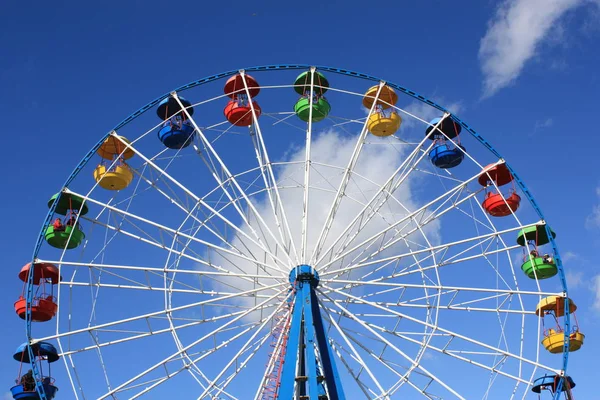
(170, 106)
(26, 388)
(176, 134)
(550, 382)
(444, 156)
(18, 392)
(40, 349)
(450, 128)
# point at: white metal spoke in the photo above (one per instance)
(240, 352)
(345, 179)
(421, 210)
(440, 329)
(413, 362)
(181, 234)
(389, 187)
(198, 199)
(307, 168)
(189, 346)
(159, 313)
(232, 179)
(442, 247)
(354, 352)
(444, 351)
(269, 178)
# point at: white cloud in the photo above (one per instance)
(595, 286)
(593, 220)
(543, 124)
(427, 112)
(375, 164)
(574, 279)
(569, 256)
(513, 36)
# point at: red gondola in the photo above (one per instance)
(495, 203)
(43, 307)
(238, 110)
(239, 113)
(235, 86)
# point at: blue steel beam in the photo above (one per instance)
(288, 374)
(306, 336)
(332, 381)
(309, 342)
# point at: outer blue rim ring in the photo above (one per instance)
(278, 67)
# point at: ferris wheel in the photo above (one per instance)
(294, 232)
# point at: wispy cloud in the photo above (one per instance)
(593, 219)
(513, 36)
(427, 113)
(574, 279)
(596, 289)
(542, 124)
(374, 165)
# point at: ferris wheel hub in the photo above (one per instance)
(304, 273)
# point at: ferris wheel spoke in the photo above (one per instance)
(207, 223)
(171, 231)
(269, 179)
(362, 386)
(420, 218)
(138, 335)
(453, 292)
(158, 271)
(162, 172)
(441, 248)
(402, 378)
(206, 386)
(442, 330)
(453, 354)
(378, 200)
(307, 168)
(193, 344)
(243, 349)
(355, 354)
(278, 330)
(345, 179)
(412, 361)
(188, 365)
(256, 346)
(210, 151)
(409, 270)
(215, 300)
(178, 253)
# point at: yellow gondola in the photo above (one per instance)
(113, 145)
(555, 304)
(387, 97)
(116, 179)
(382, 122)
(553, 341)
(382, 125)
(119, 176)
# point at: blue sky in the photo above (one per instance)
(522, 72)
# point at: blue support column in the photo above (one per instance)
(333, 383)
(309, 344)
(306, 338)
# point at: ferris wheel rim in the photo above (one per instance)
(211, 78)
